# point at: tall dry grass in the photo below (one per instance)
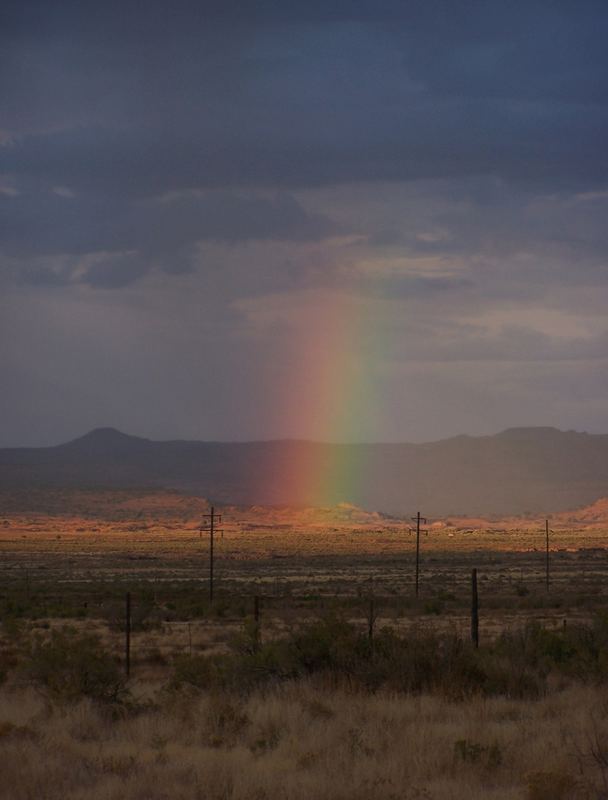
(305, 741)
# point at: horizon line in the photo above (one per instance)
(297, 440)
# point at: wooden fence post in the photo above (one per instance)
(474, 609)
(371, 621)
(128, 634)
(547, 553)
(417, 550)
(256, 623)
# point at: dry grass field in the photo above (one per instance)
(305, 742)
(67, 559)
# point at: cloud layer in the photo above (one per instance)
(184, 186)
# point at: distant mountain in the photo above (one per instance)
(535, 470)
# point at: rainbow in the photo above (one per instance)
(329, 390)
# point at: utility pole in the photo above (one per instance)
(418, 519)
(211, 530)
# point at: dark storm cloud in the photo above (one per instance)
(537, 51)
(169, 97)
(155, 232)
(546, 146)
(122, 103)
(61, 222)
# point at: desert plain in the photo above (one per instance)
(68, 559)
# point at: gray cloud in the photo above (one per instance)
(205, 96)
(157, 232)
(122, 107)
(187, 189)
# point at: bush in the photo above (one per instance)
(8, 661)
(578, 651)
(70, 665)
(434, 606)
(517, 665)
(487, 755)
(201, 672)
(327, 645)
(416, 663)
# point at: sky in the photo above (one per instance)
(340, 220)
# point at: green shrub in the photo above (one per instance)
(516, 665)
(578, 651)
(13, 628)
(434, 606)
(487, 755)
(69, 666)
(329, 644)
(201, 672)
(8, 661)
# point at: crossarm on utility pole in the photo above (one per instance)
(211, 530)
(418, 519)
